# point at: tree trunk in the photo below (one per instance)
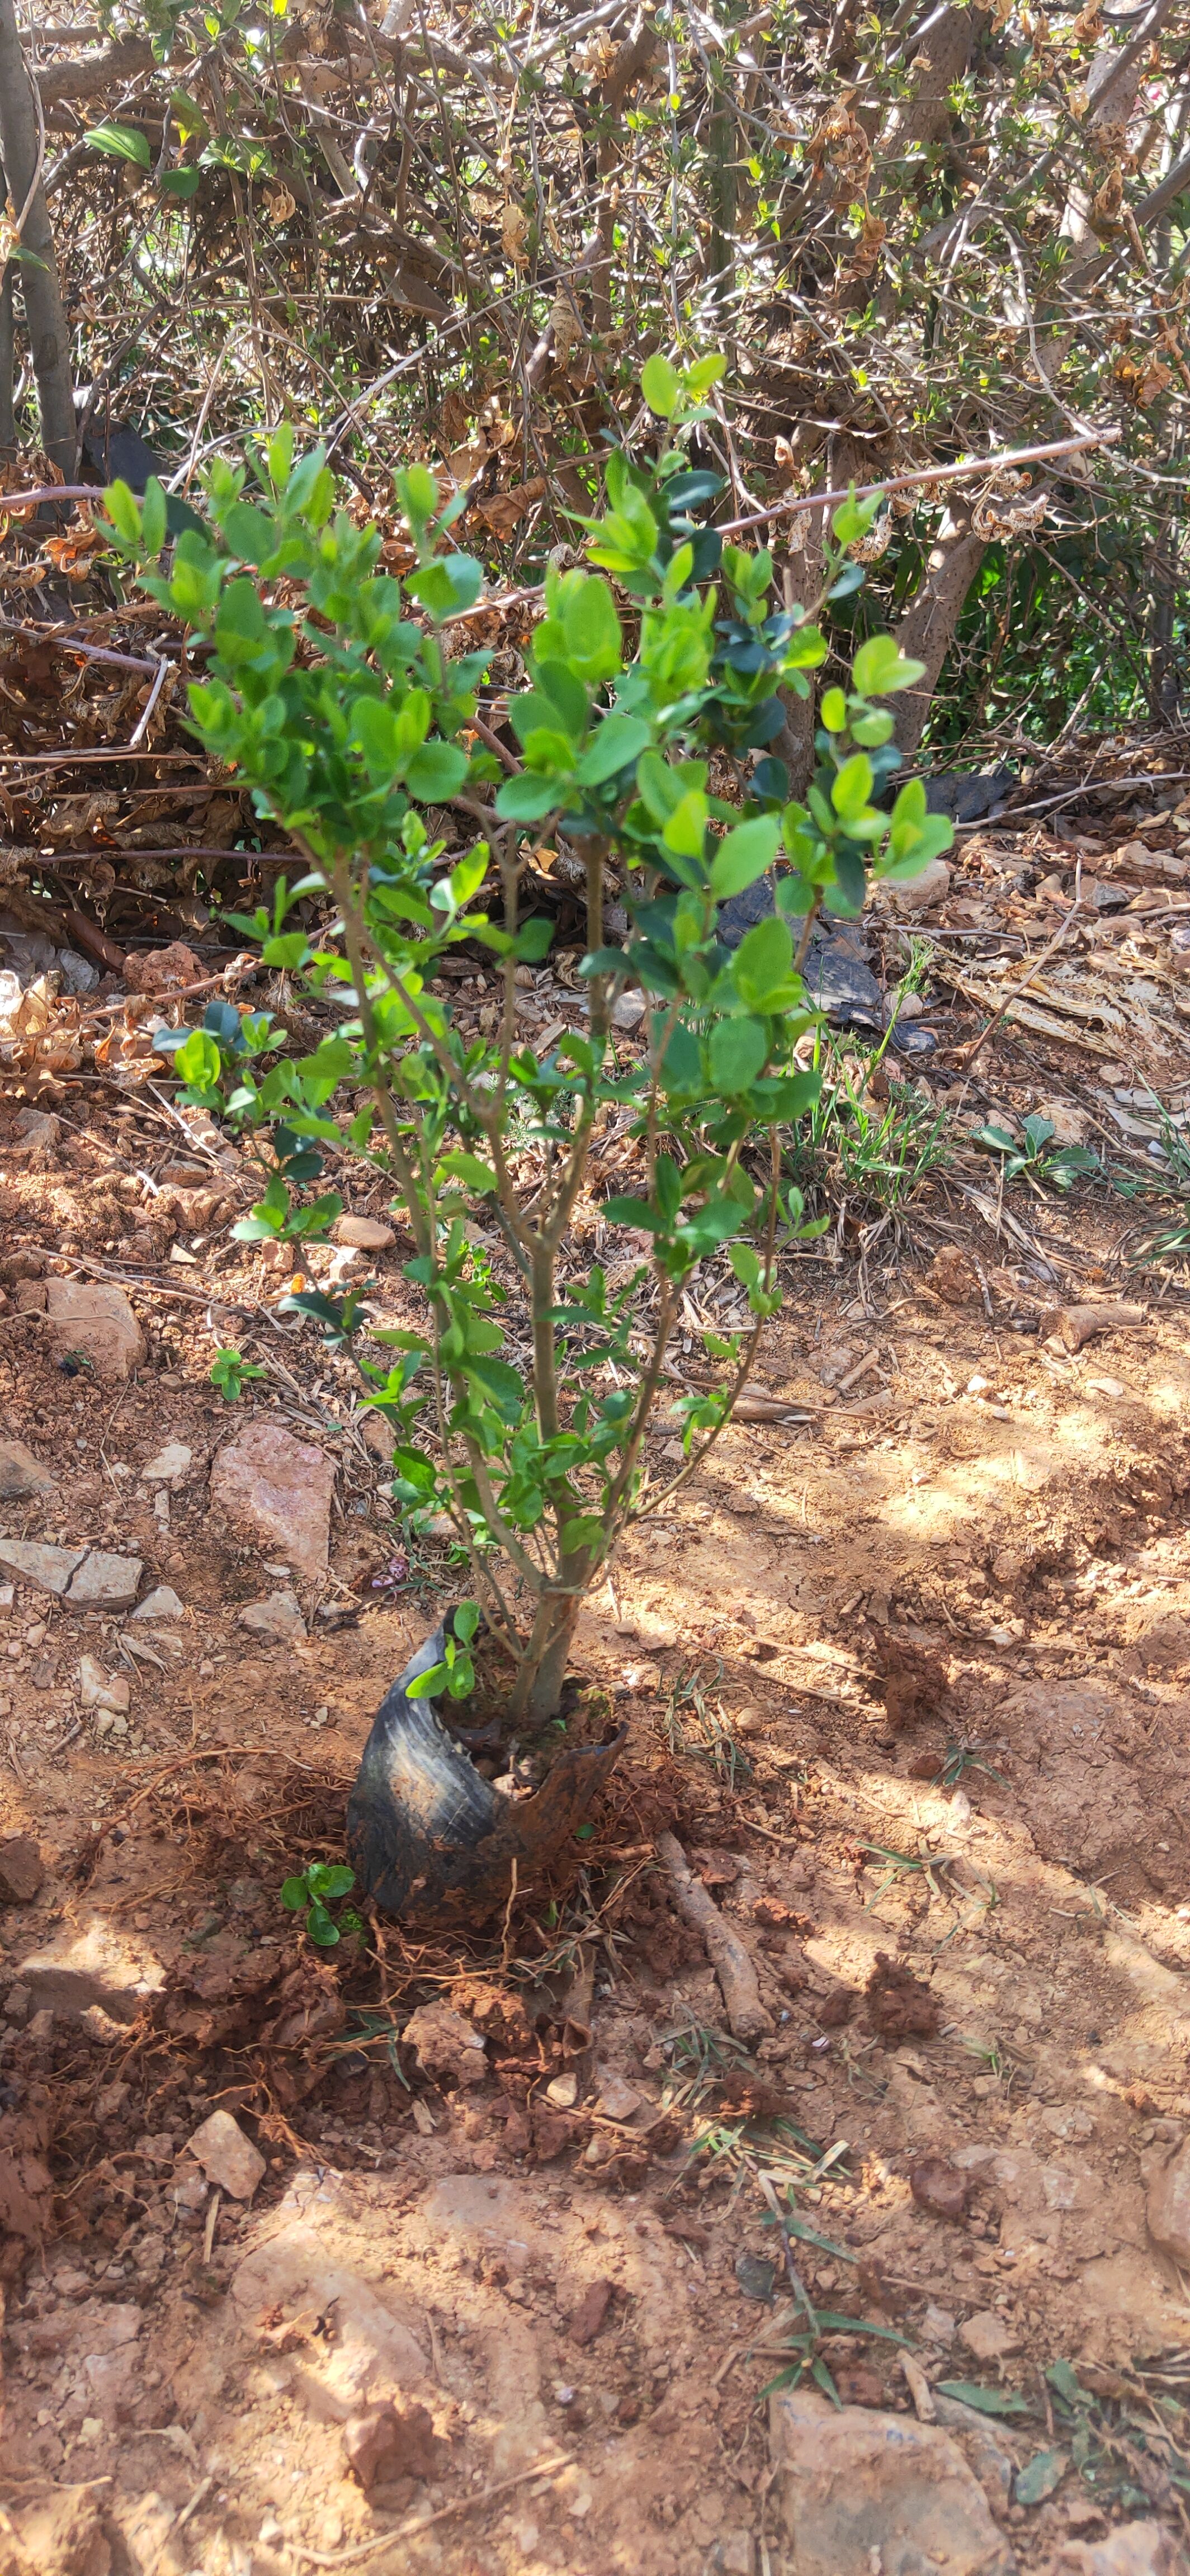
(802, 581)
(8, 429)
(44, 311)
(927, 629)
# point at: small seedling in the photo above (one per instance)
(959, 1758)
(456, 1672)
(1031, 1161)
(229, 1373)
(317, 1888)
(76, 1363)
(900, 1865)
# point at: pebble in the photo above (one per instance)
(98, 1689)
(20, 1472)
(364, 1233)
(227, 2157)
(170, 1463)
(279, 1617)
(106, 1582)
(160, 1604)
(21, 1870)
(989, 2337)
(279, 1489)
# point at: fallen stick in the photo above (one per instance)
(724, 1948)
(426, 2522)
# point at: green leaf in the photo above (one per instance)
(295, 1894)
(466, 1621)
(738, 1053)
(321, 1929)
(436, 773)
(743, 855)
(428, 1685)
(616, 741)
(120, 142)
(986, 2401)
(851, 791)
(1065, 2381)
(124, 512)
(879, 669)
(527, 798)
(661, 386)
(330, 1879)
(1040, 2476)
(180, 184)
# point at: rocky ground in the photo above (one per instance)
(470, 2258)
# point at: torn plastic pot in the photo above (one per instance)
(431, 1840)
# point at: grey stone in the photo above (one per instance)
(106, 1582)
(279, 1617)
(1167, 2208)
(859, 2489)
(279, 1490)
(227, 2157)
(98, 1321)
(21, 1473)
(98, 1966)
(49, 1567)
(1132, 2549)
(324, 2257)
(160, 1604)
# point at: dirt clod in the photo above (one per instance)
(940, 2187)
(389, 2441)
(898, 2005)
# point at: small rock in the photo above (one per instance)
(106, 1582)
(160, 1604)
(378, 1436)
(98, 1689)
(36, 1133)
(562, 2091)
(97, 1321)
(858, 2489)
(16, 2005)
(757, 2277)
(629, 1011)
(227, 2157)
(278, 1488)
(919, 894)
(989, 2337)
(20, 1472)
(1167, 2209)
(940, 2187)
(21, 1870)
(616, 2099)
(446, 2044)
(99, 1966)
(1132, 2549)
(365, 1233)
(937, 2325)
(586, 2319)
(389, 2441)
(170, 1463)
(279, 1617)
(49, 1567)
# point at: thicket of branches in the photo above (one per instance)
(438, 230)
